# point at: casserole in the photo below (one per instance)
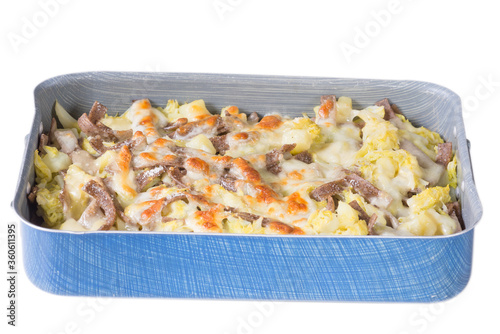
(375, 268)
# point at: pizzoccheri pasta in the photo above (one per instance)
(183, 169)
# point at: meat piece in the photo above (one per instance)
(136, 142)
(176, 124)
(32, 194)
(175, 198)
(145, 177)
(220, 144)
(455, 212)
(230, 209)
(248, 216)
(327, 112)
(176, 174)
(330, 204)
(225, 125)
(396, 110)
(413, 192)
(305, 157)
(66, 140)
(253, 118)
(98, 145)
(166, 219)
(124, 217)
(393, 221)
(105, 201)
(371, 193)
(90, 125)
(326, 190)
(371, 223)
(266, 222)
(97, 112)
(273, 224)
(444, 154)
(362, 186)
(389, 111)
(274, 157)
(209, 126)
(99, 129)
(362, 214)
(53, 128)
(228, 182)
(167, 160)
(44, 140)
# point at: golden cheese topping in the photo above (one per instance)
(183, 169)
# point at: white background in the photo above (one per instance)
(451, 43)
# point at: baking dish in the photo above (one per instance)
(228, 266)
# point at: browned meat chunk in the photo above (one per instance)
(228, 182)
(305, 157)
(362, 214)
(455, 212)
(175, 125)
(105, 201)
(209, 126)
(274, 157)
(145, 177)
(445, 153)
(97, 112)
(220, 144)
(44, 140)
(389, 111)
(32, 194)
(326, 190)
(176, 174)
(330, 204)
(371, 223)
(99, 129)
(362, 186)
(253, 118)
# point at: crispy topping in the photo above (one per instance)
(271, 122)
(328, 108)
(184, 169)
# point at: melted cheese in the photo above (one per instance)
(202, 191)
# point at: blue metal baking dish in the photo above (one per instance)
(191, 265)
